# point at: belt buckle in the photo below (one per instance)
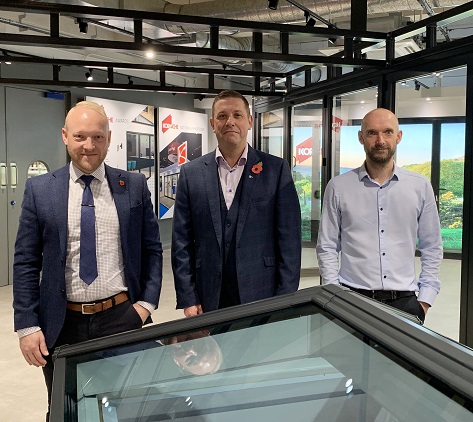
(393, 295)
(84, 312)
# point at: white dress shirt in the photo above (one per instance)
(230, 176)
(368, 233)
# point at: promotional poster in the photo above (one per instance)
(132, 146)
(183, 137)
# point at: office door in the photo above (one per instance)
(30, 145)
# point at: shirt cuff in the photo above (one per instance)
(26, 331)
(427, 295)
(148, 306)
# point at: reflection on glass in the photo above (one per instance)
(196, 353)
(288, 365)
(36, 168)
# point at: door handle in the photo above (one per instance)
(13, 175)
(3, 175)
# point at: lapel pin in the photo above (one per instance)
(257, 168)
(121, 183)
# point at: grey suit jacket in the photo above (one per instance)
(268, 232)
(39, 286)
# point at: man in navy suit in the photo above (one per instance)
(53, 305)
(237, 223)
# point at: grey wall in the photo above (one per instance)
(177, 101)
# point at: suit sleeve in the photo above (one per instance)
(328, 241)
(152, 251)
(288, 238)
(183, 246)
(27, 264)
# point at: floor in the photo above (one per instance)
(22, 390)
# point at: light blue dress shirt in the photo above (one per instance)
(368, 233)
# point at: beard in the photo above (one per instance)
(380, 155)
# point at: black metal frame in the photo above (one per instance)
(381, 73)
(438, 356)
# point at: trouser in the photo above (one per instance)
(79, 327)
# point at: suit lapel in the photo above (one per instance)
(210, 174)
(60, 204)
(250, 181)
(118, 181)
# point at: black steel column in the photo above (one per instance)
(387, 94)
(466, 295)
(287, 138)
(326, 167)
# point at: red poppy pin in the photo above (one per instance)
(121, 183)
(257, 168)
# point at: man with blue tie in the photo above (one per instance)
(88, 257)
(237, 222)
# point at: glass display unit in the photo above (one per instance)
(321, 354)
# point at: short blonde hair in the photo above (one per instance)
(90, 105)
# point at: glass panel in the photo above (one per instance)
(272, 139)
(307, 157)
(299, 361)
(348, 110)
(36, 168)
(452, 163)
(431, 109)
(414, 152)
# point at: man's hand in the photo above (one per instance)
(142, 312)
(425, 306)
(193, 310)
(33, 347)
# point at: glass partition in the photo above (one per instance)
(348, 110)
(272, 128)
(287, 358)
(431, 110)
(307, 159)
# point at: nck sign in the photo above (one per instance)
(304, 151)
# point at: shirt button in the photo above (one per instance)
(384, 276)
(384, 253)
(381, 209)
(229, 224)
(382, 231)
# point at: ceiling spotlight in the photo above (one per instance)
(130, 81)
(83, 25)
(89, 76)
(150, 54)
(273, 4)
(403, 83)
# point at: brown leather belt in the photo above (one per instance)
(93, 308)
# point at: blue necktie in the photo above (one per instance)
(88, 256)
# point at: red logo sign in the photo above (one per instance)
(182, 153)
(304, 151)
(336, 123)
(168, 124)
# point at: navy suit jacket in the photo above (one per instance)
(41, 247)
(268, 232)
